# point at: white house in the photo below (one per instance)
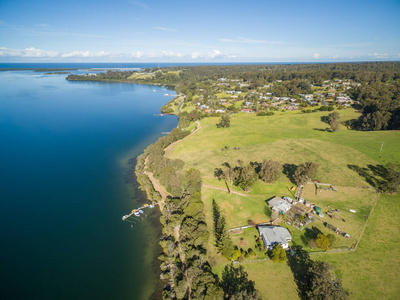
(274, 235)
(308, 97)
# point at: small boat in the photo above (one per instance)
(151, 205)
(154, 90)
(125, 217)
(137, 214)
(141, 211)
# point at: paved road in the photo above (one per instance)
(180, 104)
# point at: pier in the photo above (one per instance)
(136, 213)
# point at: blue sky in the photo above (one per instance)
(198, 31)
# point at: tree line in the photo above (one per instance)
(268, 171)
(379, 106)
(315, 279)
(184, 264)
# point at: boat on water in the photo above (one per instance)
(158, 115)
(137, 213)
(125, 217)
(141, 211)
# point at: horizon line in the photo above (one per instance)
(192, 62)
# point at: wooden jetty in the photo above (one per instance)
(136, 213)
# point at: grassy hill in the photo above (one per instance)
(348, 160)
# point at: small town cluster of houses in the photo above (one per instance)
(267, 99)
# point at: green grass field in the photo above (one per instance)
(292, 137)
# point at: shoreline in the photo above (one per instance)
(128, 162)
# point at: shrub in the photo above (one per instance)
(323, 242)
(312, 244)
(278, 255)
(332, 239)
(251, 252)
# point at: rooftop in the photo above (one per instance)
(274, 235)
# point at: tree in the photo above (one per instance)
(246, 177)
(270, 170)
(323, 242)
(224, 122)
(323, 283)
(228, 174)
(223, 241)
(236, 284)
(305, 172)
(278, 255)
(333, 121)
(392, 182)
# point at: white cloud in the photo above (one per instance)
(195, 55)
(85, 54)
(215, 54)
(164, 29)
(137, 54)
(28, 52)
(250, 41)
(32, 53)
(379, 55)
(171, 54)
(335, 56)
(315, 55)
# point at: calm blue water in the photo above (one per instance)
(63, 155)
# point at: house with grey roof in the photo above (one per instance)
(279, 204)
(274, 235)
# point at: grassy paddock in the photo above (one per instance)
(372, 271)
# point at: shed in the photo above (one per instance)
(279, 204)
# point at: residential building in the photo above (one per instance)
(274, 235)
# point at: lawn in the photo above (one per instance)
(139, 76)
(293, 138)
(273, 280)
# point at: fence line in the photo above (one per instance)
(248, 226)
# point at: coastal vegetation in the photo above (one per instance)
(184, 264)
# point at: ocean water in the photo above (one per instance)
(64, 153)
